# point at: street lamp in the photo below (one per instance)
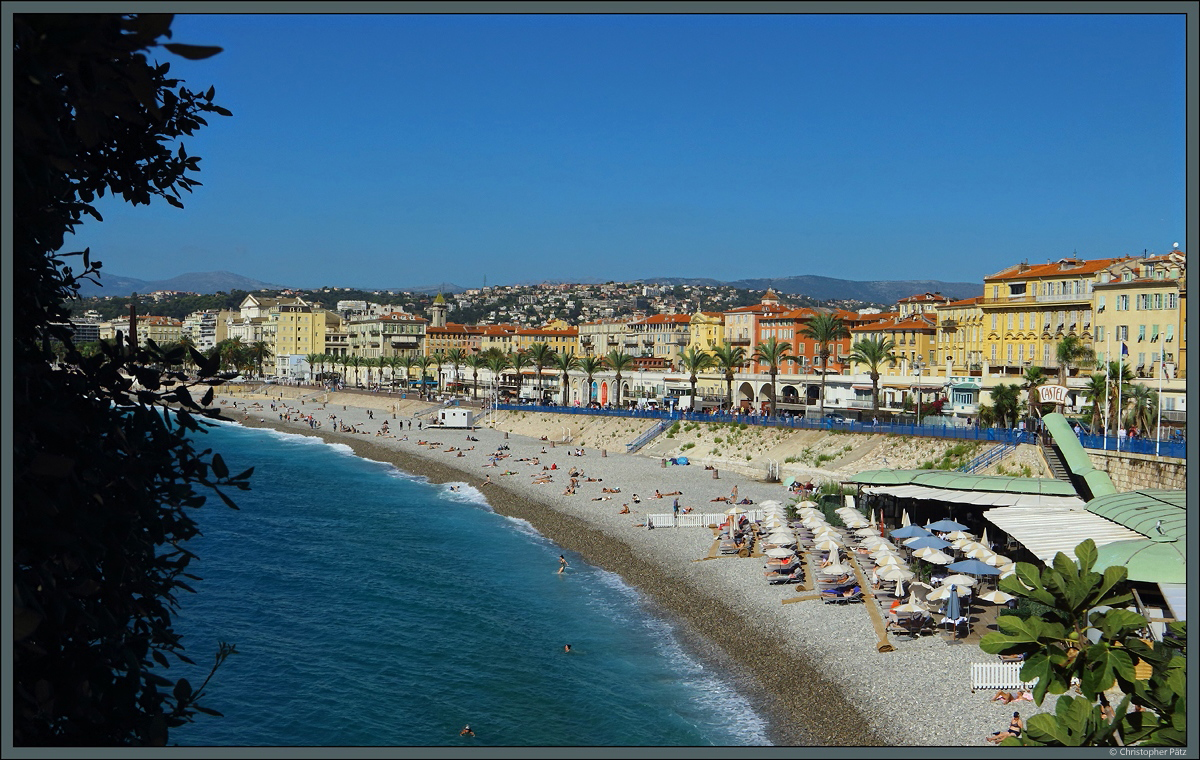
(918, 366)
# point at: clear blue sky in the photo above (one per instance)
(392, 150)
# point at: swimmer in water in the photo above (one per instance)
(562, 563)
(567, 648)
(466, 731)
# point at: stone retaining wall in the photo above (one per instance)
(1131, 472)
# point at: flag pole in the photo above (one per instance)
(1162, 368)
(1120, 378)
(1107, 388)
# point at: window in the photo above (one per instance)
(1141, 359)
(1021, 353)
(1010, 353)
(1099, 333)
(1122, 332)
(1170, 334)
(1154, 357)
(1153, 333)
(1172, 300)
(1010, 321)
(995, 292)
(1123, 303)
(1045, 353)
(1158, 300)
(1021, 321)
(993, 353)
(1100, 302)
(1141, 333)
(994, 321)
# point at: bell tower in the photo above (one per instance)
(437, 312)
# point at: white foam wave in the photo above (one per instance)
(464, 494)
(526, 528)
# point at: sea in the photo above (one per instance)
(371, 608)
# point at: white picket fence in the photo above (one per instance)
(695, 520)
(998, 675)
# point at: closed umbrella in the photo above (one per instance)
(945, 526)
(984, 539)
(954, 610)
(904, 518)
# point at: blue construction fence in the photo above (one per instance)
(964, 433)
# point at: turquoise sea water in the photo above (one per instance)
(371, 608)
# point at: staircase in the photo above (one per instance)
(646, 437)
(988, 458)
(1058, 467)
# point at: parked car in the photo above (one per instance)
(835, 417)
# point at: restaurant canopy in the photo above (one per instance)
(1046, 532)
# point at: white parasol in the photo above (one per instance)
(998, 560)
(996, 597)
(944, 591)
(957, 534)
(780, 553)
(889, 559)
(896, 573)
(904, 518)
(959, 580)
(938, 558)
(735, 511)
(827, 545)
(912, 605)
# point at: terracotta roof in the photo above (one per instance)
(659, 319)
(1054, 269)
(924, 297)
(964, 302)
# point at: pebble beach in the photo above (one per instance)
(813, 668)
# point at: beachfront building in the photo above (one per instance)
(337, 340)
(922, 303)
(742, 323)
(500, 337)
(915, 338)
(162, 330)
(598, 337)
(207, 328)
(1139, 305)
(452, 335)
(396, 333)
(706, 330)
(960, 348)
(1029, 309)
(558, 335)
(294, 331)
(661, 337)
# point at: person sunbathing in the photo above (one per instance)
(720, 498)
(1015, 726)
(594, 480)
(601, 498)
(569, 491)
(685, 510)
(624, 509)
(610, 490)
(1004, 697)
(671, 493)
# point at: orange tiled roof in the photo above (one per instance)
(659, 319)
(964, 302)
(924, 297)
(1054, 268)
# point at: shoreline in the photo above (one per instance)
(819, 715)
(814, 673)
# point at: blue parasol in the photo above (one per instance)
(973, 567)
(910, 531)
(945, 526)
(928, 541)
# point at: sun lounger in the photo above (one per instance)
(842, 595)
(794, 576)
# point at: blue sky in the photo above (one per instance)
(394, 150)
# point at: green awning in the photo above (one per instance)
(885, 477)
(965, 387)
(961, 481)
(1146, 560)
(1154, 512)
(1076, 457)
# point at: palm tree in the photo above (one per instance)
(456, 357)
(1143, 408)
(475, 362)
(260, 351)
(439, 358)
(497, 363)
(231, 351)
(1071, 352)
(312, 360)
(873, 353)
(1096, 393)
(422, 362)
(590, 365)
(618, 360)
(343, 361)
(824, 329)
(1033, 379)
(518, 361)
(695, 361)
(356, 362)
(189, 345)
(772, 352)
(541, 355)
(565, 363)
(408, 361)
(729, 357)
(987, 416)
(1006, 403)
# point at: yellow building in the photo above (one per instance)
(560, 339)
(603, 335)
(297, 330)
(661, 336)
(161, 330)
(1029, 309)
(706, 330)
(1139, 302)
(961, 339)
(452, 335)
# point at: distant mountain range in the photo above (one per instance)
(829, 288)
(192, 282)
(821, 288)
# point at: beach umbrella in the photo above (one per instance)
(889, 559)
(945, 526)
(938, 558)
(983, 539)
(780, 553)
(896, 573)
(954, 610)
(857, 522)
(942, 592)
(828, 544)
(962, 544)
(912, 605)
(873, 542)
(997, 560)
(926, 552)
(808, 503)
(959, 579)
(996, 597)
(956, 535)
(973, 567)
(866, 532)
(884, 550)
(969, 546)
(837, 568)
(909, 531)
(772, 503)
(781, 539)
(926, 542)
(787, 483)
(735, 511)
(980, 553)
(774, 522)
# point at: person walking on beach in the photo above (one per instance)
(562, 565)
(675, 507)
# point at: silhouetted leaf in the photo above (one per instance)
(192, 52)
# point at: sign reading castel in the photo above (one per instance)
(1053, 394)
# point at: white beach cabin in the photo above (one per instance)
(456, 417)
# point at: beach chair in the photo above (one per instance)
(795, 575)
